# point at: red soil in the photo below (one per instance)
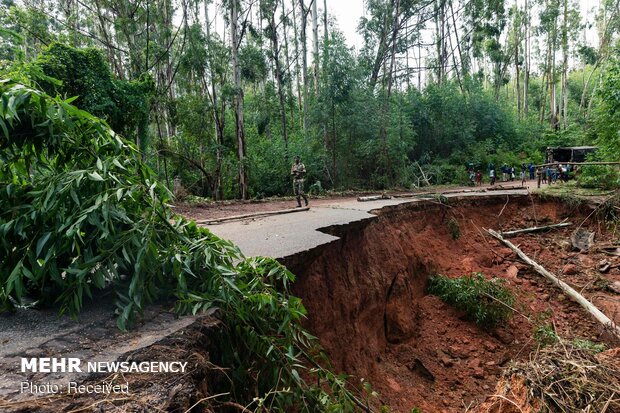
(366, 299)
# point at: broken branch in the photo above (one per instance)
(512, 233)
(580, 299)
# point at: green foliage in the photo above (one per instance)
(454, 228)
(545, 335)
(599, 176)
(486, 302)
(588, 345)
(80, 212)
(85, 74)
(606, 127)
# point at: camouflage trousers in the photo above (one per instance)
(298, 190)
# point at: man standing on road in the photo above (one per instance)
(298, 170)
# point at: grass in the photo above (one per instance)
(486, 302)
(569, 189)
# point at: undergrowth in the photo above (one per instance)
(454, 228)
(80, 212)
(486, 302)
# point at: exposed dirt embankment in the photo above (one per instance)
(366, 299)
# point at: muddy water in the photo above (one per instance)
(367, 302)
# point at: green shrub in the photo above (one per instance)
(486, 302)
(599, 176)
(454, 228)
(545, 335)
(588, 345)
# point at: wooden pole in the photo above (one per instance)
(567, 289)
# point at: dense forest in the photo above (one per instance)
(219, 96)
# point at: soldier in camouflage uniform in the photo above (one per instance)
(298, 170)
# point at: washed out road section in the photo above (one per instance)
(281, 236)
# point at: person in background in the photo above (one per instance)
(504, 173)
(478, 178)
(492, 176)
(523, 174)
(512, 173)
(564, 173)
(298, 170)
(549, 175)
(532, 170)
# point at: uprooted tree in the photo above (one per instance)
(80, 212)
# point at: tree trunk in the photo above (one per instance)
(297, 67)
(553, 103)
(286, 53)
(218, 122)
(238, 100)
(275, 53)
(517, 34)
(304, 62)
(315, 46)
(526, 60)
(565, 67)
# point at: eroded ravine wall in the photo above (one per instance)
(365, 293)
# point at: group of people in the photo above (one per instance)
(548, 174)
(551, 173)
(508, 174)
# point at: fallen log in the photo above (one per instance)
(512, 233)
(427, 193)
(373, 198)
(460, 191)
(506, 188)
(412, 194)
(567, 289)
(252, 215)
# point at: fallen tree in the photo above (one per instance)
(506, 188)
(567, 289)
(372, 198)
(507, 234)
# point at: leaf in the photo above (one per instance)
(41, 243)
(95, 176)
(118, 164)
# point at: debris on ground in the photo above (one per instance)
(582, 239)
(568, 377)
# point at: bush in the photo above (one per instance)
(454, 229)
(599, 176)
(486, 302)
